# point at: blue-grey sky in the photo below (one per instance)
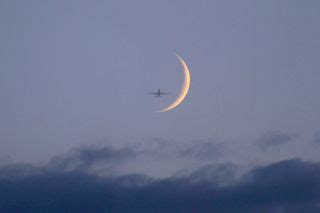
(78, 133)
(76, 72)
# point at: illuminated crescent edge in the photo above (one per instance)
(184, 89)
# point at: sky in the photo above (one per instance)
(73, 82)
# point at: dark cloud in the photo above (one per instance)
(221, 174)
(275, 138)
(287, 186)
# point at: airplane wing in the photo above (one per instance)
(158, 94)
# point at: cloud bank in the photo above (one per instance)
(286, 186)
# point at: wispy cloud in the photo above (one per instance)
(203, 150)
(90, 157)
(275, 138)
(316, 137)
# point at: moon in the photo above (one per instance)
(184, 89)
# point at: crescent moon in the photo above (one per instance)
(184, 89)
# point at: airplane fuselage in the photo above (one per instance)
(158, 93)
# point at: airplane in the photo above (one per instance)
(158, 94)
